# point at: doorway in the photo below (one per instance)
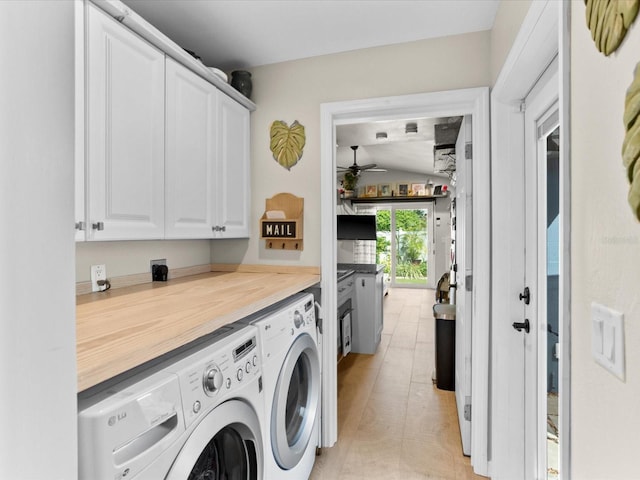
(474, 102)
(404, 245)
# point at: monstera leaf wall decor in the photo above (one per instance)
(609, 21)
(631, 144)
(287, 143)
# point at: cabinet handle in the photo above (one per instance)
(363, 282)
(79, 225)
(98, 226)
(223, 228)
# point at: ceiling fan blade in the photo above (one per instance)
(367, 166)
(376, 170)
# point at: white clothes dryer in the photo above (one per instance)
(291, 371)
(196, 416)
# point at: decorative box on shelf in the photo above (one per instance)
(281, 223)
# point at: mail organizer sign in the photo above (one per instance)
(281, 229)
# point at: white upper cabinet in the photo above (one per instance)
(162, 150)
(125, 133)
(234, 180)
(191, 154)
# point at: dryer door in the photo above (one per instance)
(226, 444)
(295, 402)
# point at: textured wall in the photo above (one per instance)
(605, 256)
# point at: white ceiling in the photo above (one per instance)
(231, 34)
(408, 152)
(234, 34)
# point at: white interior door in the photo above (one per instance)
(537, 44)
(464, 280)
(541, 274)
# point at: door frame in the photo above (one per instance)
(541, 104)
(472, 101)
(543, 35)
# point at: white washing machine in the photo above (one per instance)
(196, 416)
(291, 371)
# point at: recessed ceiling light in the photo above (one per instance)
(381, 136)
(411, 128)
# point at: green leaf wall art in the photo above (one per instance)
(287, 143)
(609, 21)
(631, 144)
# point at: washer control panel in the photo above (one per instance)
(217, 371)
(293, 319)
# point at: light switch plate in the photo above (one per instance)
(607, 339)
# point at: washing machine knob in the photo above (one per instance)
(255, 360)
(298, 320)
(212, 380)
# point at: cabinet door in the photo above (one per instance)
(234, 182)
(190, 154)
(125, 122)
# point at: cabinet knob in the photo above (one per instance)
(98, 226)
(79, 225)
(223, 228)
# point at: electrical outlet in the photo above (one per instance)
(160, 261)
(98, 272)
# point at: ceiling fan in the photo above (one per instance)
(356, 169)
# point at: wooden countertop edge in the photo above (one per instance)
(93, 365)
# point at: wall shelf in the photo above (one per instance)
(411, 199)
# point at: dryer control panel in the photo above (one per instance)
(219, 371)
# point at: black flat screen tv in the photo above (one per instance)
(356, 227)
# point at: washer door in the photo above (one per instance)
(225, 445)
(295, 402)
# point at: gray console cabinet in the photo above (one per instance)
(366, 328)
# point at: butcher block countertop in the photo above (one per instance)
(122, 328)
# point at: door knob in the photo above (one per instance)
(526, 296)
(519, 326)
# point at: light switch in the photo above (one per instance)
(597, 335)
(607, 338)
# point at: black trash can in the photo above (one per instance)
(445, 316)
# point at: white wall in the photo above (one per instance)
(37, 297)
(294, 91)
(605, 249)
(125, 258)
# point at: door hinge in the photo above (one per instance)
(467, 412)
(468, 281)
(522, 107)
(468, 151)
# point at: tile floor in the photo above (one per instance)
(393, 423)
